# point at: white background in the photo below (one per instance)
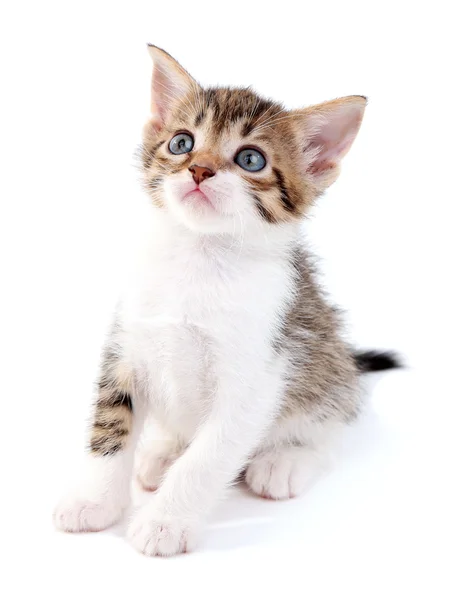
(386, 522)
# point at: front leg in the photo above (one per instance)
(103, 488)
(244, 406)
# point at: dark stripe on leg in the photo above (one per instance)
(112, 421)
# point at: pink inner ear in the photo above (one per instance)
(331, 133)
(168, 86)
(328, 156)
(162, 93)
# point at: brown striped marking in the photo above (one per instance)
(111, 425)
(112, 419)
(232, 105)
(273, 198)
(263, 211)
(148, 153)
(284, 194)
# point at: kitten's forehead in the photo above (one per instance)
(223, 109)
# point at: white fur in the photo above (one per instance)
(156, 457)
(197, 324)
(229, 208)
(102, 490)
(99, 498)
(283, 472)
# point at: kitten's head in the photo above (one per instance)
(222, 159)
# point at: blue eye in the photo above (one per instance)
(250, 159)
(181, 143)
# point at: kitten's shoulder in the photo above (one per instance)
(310, 298)
(323, 372)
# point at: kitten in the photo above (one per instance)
(224, 338)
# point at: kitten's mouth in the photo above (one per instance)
(197, 196)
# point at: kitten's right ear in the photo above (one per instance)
(169, 83)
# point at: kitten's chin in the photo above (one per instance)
(197, 213)
(202, 221)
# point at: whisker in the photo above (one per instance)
(263, 114)
(254, 109)
(272, 122)
(269, 119)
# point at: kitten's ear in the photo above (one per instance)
(169, 83)
(326, 133)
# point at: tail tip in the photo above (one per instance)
(373, 360)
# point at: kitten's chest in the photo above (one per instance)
(176, 318)
(196, 291)
(186, 316)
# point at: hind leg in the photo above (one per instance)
(155, 458)
(287, 465)
(282, 473)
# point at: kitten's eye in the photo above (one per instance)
(181, 143)
(250, 159)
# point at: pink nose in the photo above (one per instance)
(200, 173)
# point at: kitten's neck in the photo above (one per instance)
(262, 242)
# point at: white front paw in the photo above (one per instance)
(155, 534)
(74, 514)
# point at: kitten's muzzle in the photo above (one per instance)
(200, 173)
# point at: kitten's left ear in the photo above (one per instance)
(169, 83)
(326, 132)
